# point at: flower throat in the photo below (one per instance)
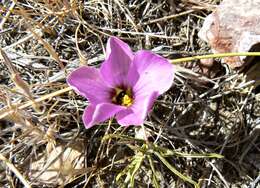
(122, 97)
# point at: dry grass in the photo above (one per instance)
(43, 142)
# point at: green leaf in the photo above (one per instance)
(154, 180)
(131, 169)
(175, 171)
(167, 152)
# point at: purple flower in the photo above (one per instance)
(125, 86)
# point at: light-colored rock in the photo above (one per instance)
(233, 27)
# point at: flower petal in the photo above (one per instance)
(136, 114)
(150, 75)
(88, 82)
(118, 59)
(99, 113)
(151, 72)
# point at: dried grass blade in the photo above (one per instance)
(7, 111)
(16, 78)
(46, 45)
(15, 171)
(7, 15)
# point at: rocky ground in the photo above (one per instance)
(203, 132)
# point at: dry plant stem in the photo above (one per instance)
(180, 69)
(254, 136)
(28, 37)
(16, 78)
(7, 15)
(107, 132)
(7, 62)
(46, 45)
(128, 14)
(82, 59)
(255, 182)
(15, 171)
(138, 33)
(145, 135)
(220, 175)
(5, 112)
(168, 17)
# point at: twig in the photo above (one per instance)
(168, 17)
(7, 15)
(5, 112)
(15, 171)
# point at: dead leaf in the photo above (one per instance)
(59, 166)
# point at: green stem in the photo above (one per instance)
(220, 55)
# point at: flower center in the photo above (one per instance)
(123, 97)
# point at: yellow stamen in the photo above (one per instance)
(126, 100)
(123, 97)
